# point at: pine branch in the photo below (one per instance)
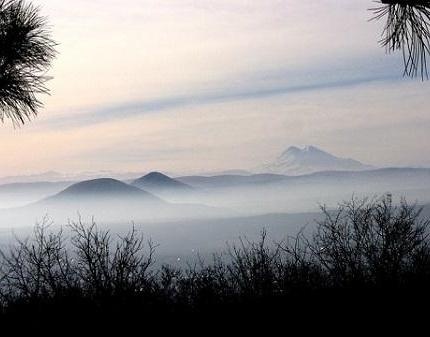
(26, 51)
(407, 30)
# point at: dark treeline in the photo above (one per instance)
(367, 261)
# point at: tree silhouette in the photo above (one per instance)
(366, 259)
(407, 30)
(26, 51)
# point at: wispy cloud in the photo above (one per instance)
(258, 85)
(214, 84)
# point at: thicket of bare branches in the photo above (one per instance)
(369, 242)
(90, 264)
(362, 249)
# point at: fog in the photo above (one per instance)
(21, 194)
(196, 216)
(260, 194)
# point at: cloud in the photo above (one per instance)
(252, 86)
(187, 85)
(140, 50)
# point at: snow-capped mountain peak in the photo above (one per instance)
(309, 159)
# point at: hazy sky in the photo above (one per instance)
(200, 85)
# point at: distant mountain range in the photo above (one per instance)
(156, 196)
(310, 159)
(390, 177)
(231, 180)
(237, 172)
(294, 161)
(273, 193)
(53, 176)
(298, 179)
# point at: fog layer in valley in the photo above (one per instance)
(194, 215)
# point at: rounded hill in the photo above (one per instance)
(160, 181)
(102, 188)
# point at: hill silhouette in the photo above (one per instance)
(102, 188)
(103, 192)
(158, 182)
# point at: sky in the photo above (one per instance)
(192, 86)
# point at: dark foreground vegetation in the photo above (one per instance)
(367, 262)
